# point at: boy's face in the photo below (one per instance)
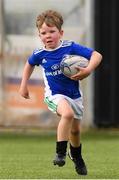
(50, 36)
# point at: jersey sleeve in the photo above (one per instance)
(34, 59)
(80, 50)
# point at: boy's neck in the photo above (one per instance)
(52, 49)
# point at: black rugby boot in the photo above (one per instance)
(60, 157)
(75, 155)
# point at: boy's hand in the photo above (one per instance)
(83, 73)
(24, 93)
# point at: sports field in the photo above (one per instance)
(29, 156)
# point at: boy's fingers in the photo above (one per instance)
(27, 97)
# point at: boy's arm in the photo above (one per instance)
(28, 69)
(93, 63)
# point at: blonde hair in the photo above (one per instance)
(51, 18)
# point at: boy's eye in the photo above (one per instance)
(52, 31)
(43, 33)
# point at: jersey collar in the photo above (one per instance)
(61, 42)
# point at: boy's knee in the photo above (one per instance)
(68, 115)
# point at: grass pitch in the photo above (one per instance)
(29, 156)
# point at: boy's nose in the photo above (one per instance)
(48, 35)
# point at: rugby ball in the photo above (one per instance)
(70, 62)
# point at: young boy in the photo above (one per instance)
(62, 94)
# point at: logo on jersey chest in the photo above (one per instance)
(54, 73)
(55, 67)
(44, 61)
(55, 70)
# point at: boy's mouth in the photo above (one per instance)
(49, 41)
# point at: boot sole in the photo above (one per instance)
(59, 163)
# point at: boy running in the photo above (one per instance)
(62, 94)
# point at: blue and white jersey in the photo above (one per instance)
(55, 81)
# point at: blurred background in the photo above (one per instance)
(89, 22)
